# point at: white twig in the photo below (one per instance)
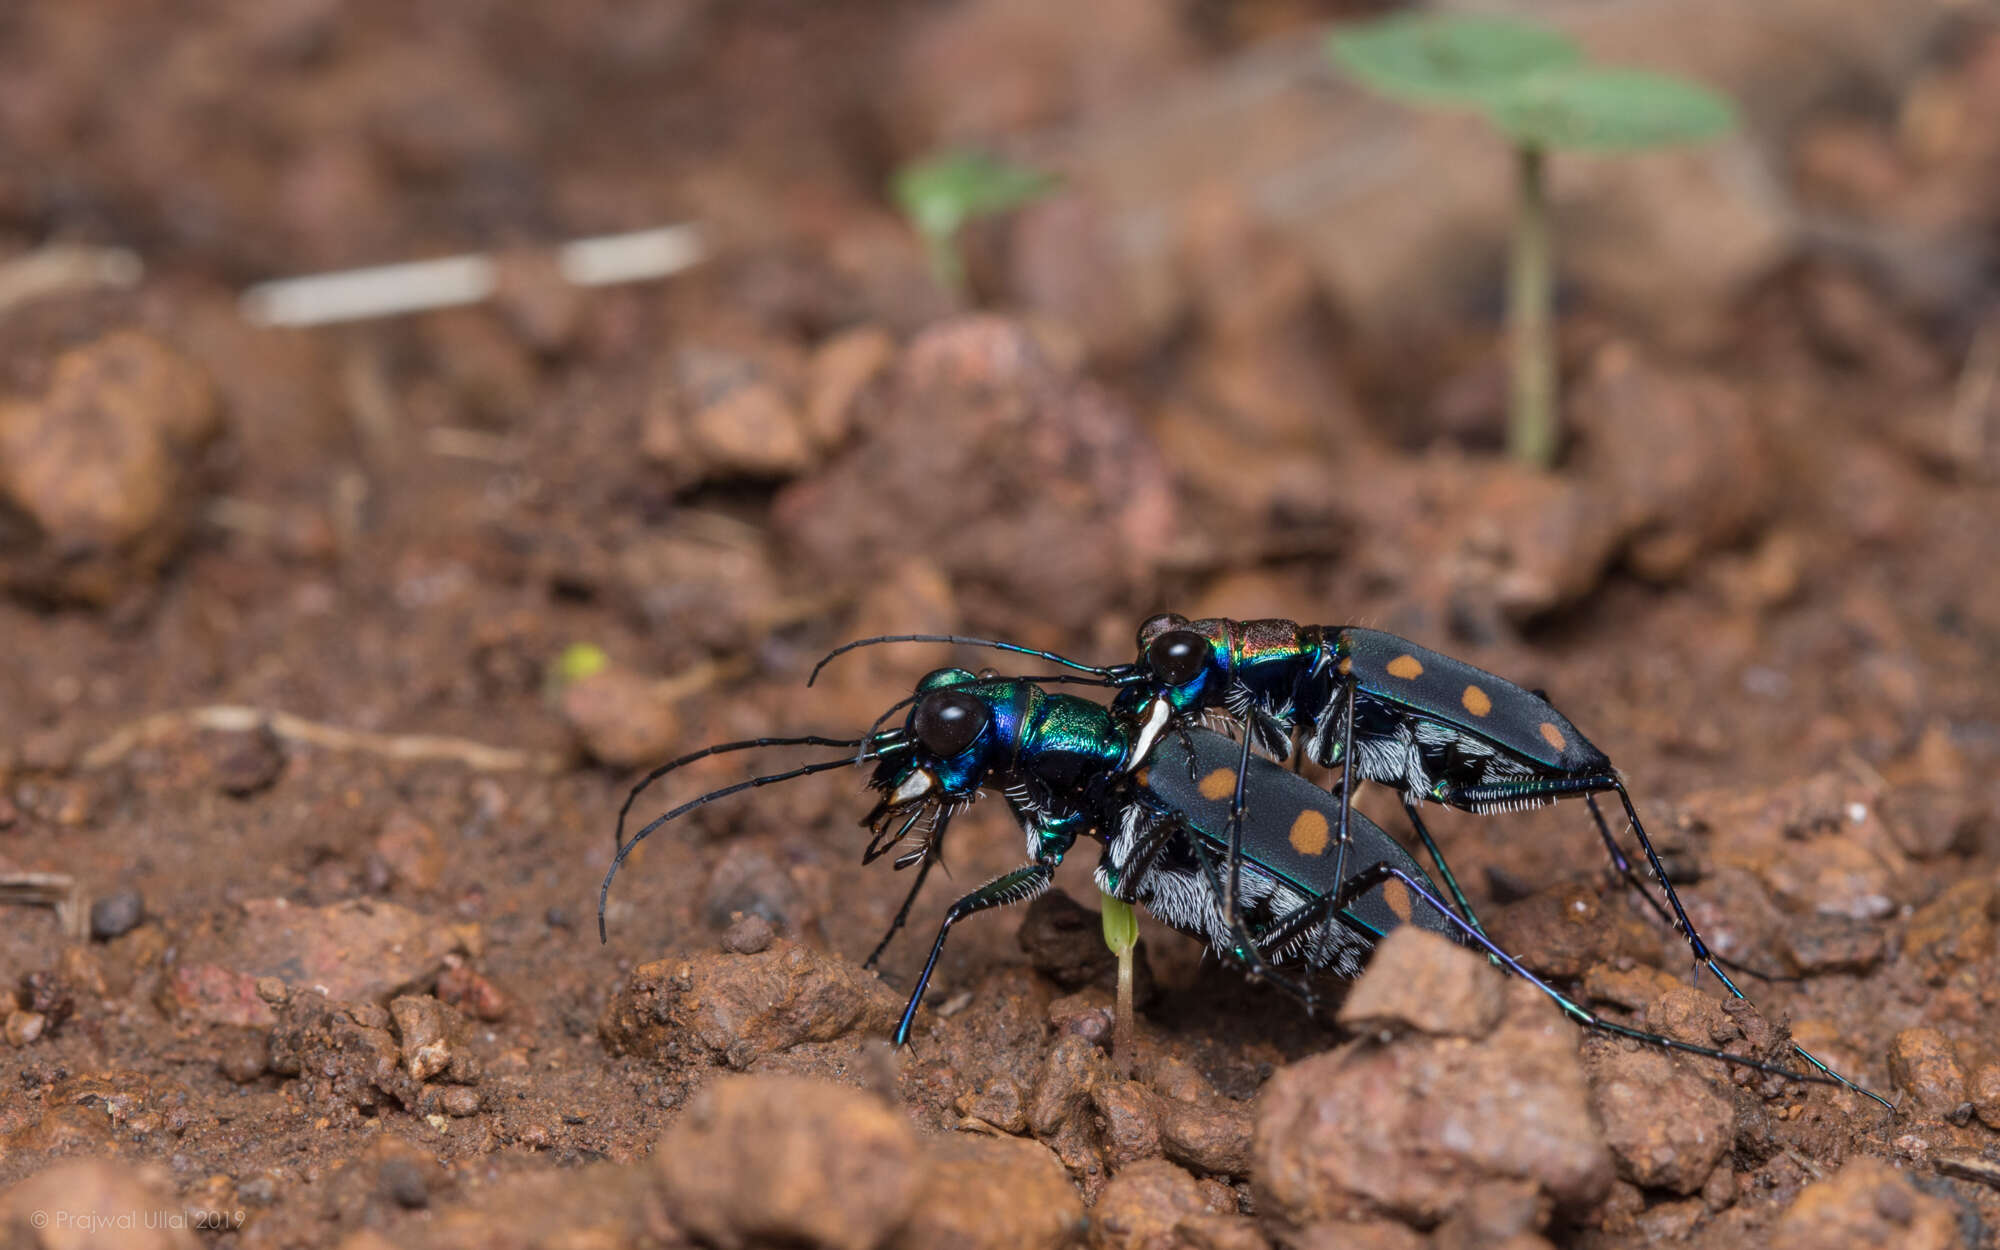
(232, 718)
(62, 267)
(58, 890)
(452, 281)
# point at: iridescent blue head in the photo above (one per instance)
(1182, 667)
(1181, 661)
(960, 730)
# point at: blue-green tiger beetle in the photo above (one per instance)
(1165, 819)
(1417, 721)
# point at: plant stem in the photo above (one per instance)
(947, 266)
(1122, 1027)
(1531, 413)
(1121, 934)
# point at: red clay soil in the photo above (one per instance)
(302, 820)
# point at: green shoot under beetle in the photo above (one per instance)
(1121, 934)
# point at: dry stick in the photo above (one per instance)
(62, 267)
(57, 890)
(238, 718)
(1968, 1166)
(235, 718)
(452, 281)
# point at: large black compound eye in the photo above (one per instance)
(948, 721)
(1178, 656)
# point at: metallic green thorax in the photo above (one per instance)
(1069, 738)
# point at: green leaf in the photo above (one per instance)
(941, 193)
(1121, 926)
(1448, 60)
(1610, 110)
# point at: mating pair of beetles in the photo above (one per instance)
(1210, 836)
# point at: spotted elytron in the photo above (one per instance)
(1070, 769)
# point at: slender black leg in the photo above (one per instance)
(1300, 919)
(1126, 877)
(1631, 877)
(1013, 887)
(1437, 859)
(1233, 882)
(1247, 950)
(1558, 787)
(1346, 781)
(1187, 745)
(1546, 788)
(903, 912)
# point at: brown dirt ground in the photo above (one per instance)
(1776, 611)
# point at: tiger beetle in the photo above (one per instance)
(1071, 768)
(1419, 722)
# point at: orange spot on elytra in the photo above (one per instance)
(1346, 665)
(1218, 785)
(1406, 667)
(1144, 777)
(1476, 701)
(1554, 737)
(1309, 832)
(1397, 896)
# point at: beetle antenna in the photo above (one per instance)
(747, 744)
(961, 640)
(618, 860)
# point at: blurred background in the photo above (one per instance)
(1245, 358)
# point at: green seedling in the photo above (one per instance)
(1121, 934)
(577, 661)
(939, 194)
(1532, 84)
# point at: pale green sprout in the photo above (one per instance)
(1121, 934)
(940, 193)
(1532, 84)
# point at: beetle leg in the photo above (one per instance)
(1232, 884)
(1246, 948)
(1346, 780)
(1368, 878)
(1017, 886)
(1437, 858)
(903, 912)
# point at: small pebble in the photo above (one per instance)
(116, 915)
(251, 762)
(465, 989)
(244, 1057)
(48, 993)
(258, 1191)
(460, 1101)
(1985, 1092)
(559, 918)
(1923, 1063)
(403, 1181)
(24, 1027)
(748, 934)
